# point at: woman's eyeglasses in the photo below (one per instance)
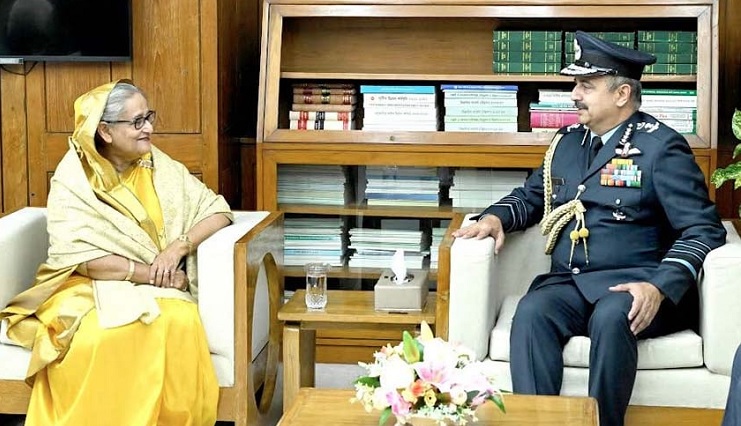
(138, 122)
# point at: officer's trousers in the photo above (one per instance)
(547, 317)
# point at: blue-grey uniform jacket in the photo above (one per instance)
(658, 230)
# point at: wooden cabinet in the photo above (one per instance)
(433, 43)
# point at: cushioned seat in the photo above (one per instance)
(684, 369)
(239, 296)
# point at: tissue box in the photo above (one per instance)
(410, 296)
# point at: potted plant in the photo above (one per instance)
(732, 171)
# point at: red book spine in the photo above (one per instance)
(553, 119)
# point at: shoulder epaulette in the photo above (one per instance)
(647, 126)
(577, 127)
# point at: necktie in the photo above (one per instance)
(594, 149)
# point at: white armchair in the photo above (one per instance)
(683, 369)
(240, 290)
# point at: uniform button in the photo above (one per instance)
(554, 196)
(617, 201)
(581, 188)
(575, 270)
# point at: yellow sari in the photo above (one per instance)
(156, 372)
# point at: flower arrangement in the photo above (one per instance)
(426, 377)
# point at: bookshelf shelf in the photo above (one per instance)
(345, 272)
(443, 212)
(504, 78)
(380, 139)
(429, 43)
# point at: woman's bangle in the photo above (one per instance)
(132, 268)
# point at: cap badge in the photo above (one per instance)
(577, 50)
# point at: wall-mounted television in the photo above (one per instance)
(65, 30)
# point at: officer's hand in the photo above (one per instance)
(646, 302)
(489, 225)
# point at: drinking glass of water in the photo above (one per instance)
(316, 285)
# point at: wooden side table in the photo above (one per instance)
(345, 309)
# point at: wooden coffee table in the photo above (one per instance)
(345, 309)
(332, 407)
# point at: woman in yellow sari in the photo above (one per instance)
(112, 321)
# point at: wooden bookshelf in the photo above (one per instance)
(431, 43)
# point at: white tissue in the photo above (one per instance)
(399, 267)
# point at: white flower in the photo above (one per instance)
(396, 374)
(380, 400)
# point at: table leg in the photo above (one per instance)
(299, 348)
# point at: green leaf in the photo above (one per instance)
(497, 399)
(411, 348)
(373, 382)
(385, 414)
(723, 174)
(737, 150)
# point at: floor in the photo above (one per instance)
(327, 376)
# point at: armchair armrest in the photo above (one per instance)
(473, 306)
(24, 243)
(720, 297)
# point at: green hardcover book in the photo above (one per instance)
(607, 36)
(569, 45)
(519, 56)
(673, 36)
(676, 58)
(527, 46)
(668, 47)
(671, 69)
(527, 67)
(511, 35)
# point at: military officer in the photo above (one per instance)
(628, 222)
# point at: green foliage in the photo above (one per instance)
(412, 352)
(373, 382)
(732, 172)
(385, 414)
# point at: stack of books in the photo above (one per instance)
(438, 233)
(553, 110)
(480, 107)
(404, 108)
(323, 106)
(527, 52)
(676, 108)
(402, 186)
(625, 39)
(479, 188)
(313, 240)
(374, 248)
(312, 184)
(675, 51)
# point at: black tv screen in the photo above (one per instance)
(65, 30)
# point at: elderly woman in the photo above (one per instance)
(112, 320)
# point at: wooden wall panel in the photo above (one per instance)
(14, 142)
(64, 83)
(167, 61)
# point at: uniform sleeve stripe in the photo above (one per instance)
(683, 262)
(693, 245)
(689, 253)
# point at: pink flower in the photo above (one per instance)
(437, 375)
(399, 407)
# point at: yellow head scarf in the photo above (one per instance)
(102, 176)
(88, 111)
